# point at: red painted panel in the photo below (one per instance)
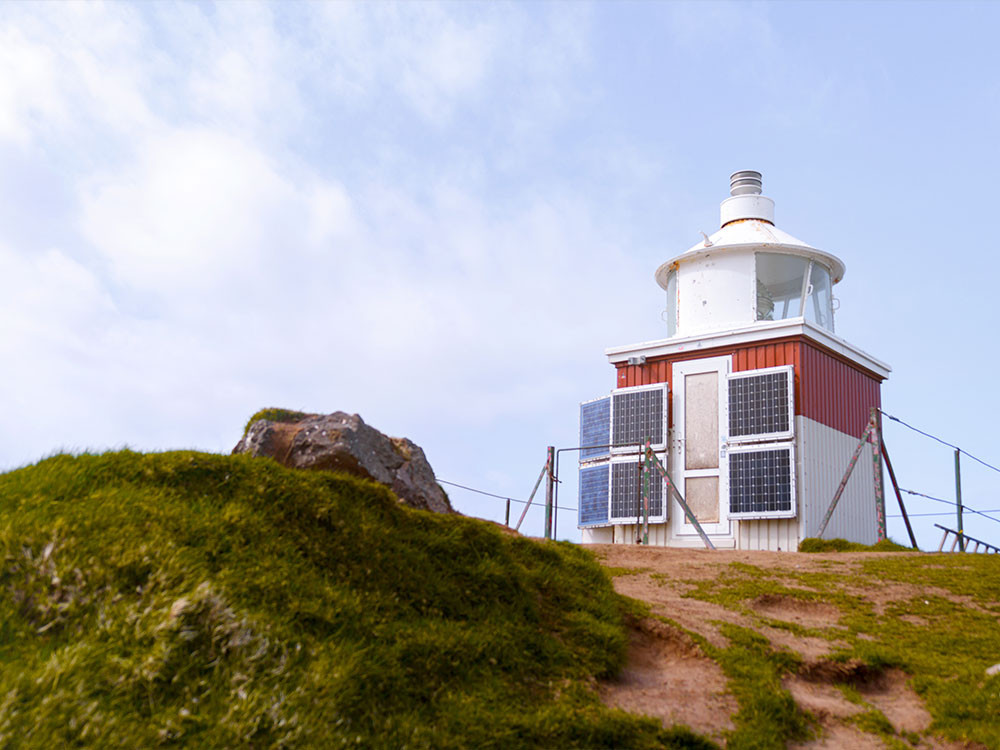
(834, 393)
(828, 389)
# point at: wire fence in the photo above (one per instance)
(500, 497)
(956, 504)
(914, 493)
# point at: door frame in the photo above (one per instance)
(680, 531)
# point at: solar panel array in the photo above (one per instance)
(626, 491)
(638, 415)
(610, 490)
(595, 427)
(759, 404)
(594, 494)
(760, 481)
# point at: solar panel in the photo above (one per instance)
(594, 494)
(626, 491)
(762, 482)
(639, 413)
(761, 405)
(595, 427)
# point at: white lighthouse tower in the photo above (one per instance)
(751, 399)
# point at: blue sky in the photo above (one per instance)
(439, 216)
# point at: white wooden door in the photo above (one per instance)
(698, 456)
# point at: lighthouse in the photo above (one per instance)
(752, 401)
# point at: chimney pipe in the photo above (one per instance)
(745, 182)
(745, 200)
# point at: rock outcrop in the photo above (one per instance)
(343, 442)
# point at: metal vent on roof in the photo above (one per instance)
(746, 182)
(762, 481)
(594, 494)
(595, 428)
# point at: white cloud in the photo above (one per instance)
(215, 269)
(28, 95)
(190, 214)
(419, 50)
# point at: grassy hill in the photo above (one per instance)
(197, 600)
(847, 649)
(203, 600)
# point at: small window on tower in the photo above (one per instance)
(782, 282)
(819, 302)
(670, 313)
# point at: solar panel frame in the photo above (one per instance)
(761, 481)
(624, 492)
(637, 413)
(594, 489)
(595, 428)
(761, 405)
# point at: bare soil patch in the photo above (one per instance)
(799, 611)
(805, 646)
(667, 676)
(896, 699)
(841, 737)
(823, 701)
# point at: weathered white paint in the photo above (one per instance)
(598, 535)
(753, 234)
(746, 207)
(659, 536)
(774, 534)
(716, 291)
(824, 454)
(686, 467)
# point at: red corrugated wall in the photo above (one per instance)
(835, 393)
(828, 389)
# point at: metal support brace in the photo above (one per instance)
(651, 456)
(958, 498)
(548, 491)
(531, 499)
(847, 475)
(899, 497)
(875, 438)
(645, 494)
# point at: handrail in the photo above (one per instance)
(967, 539)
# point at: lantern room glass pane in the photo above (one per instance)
(819, 303)
(670, 313)
(781, 281)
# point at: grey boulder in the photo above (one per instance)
(343, 442)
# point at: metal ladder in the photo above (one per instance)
(968, 540)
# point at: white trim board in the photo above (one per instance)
(756, 332)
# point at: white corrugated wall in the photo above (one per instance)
(823, 456)
(774, 534)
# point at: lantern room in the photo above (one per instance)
(751, 400)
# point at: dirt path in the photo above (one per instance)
(669, 676)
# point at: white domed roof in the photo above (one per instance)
(747, 222)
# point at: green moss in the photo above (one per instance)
(851, 693)
(813, 544)
(274, 414)
(615, 572)
(224, 601)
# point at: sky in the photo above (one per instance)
(439, 216)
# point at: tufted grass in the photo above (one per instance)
(274, 414)
(944, 633)
(200, 600)
(812, 544)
